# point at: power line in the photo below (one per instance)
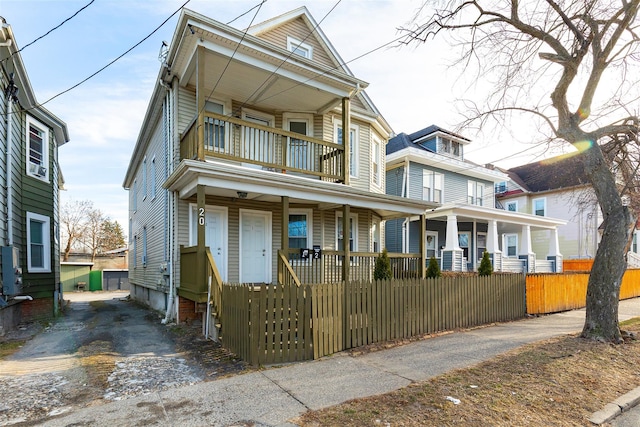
(287, 58)
(244, 34)
(50, 31)
(116, 59)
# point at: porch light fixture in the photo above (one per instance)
(242, 194)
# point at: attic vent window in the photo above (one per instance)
(299, 48)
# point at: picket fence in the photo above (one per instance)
(267, 324)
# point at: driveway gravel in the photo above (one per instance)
(104, 348)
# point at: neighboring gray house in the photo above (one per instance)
(429, 165)
(30, 182)
(242, 153)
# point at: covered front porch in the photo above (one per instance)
(458, 235)
(256, 226)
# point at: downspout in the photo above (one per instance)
(9, 181)
(167, 117)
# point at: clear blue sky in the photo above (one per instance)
(409, 85)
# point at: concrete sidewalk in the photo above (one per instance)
(273, 396)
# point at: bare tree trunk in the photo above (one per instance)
(603, 290)
(67, 250)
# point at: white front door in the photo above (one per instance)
(255, 246)
(215, 235)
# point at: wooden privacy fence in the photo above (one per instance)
(269, 324)
(551, 293)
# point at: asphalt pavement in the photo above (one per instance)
(272, 397)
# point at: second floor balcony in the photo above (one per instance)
(222, 137)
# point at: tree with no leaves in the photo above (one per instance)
(73, 223)
(571, 51)
(85, 226)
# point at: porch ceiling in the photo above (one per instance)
(508, 222)
(226, 180)
(243, 68)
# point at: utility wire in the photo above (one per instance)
(50, 31)
(116, 59)
(244, 34)
(286, 59)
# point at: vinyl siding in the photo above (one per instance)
(393, 182)
(37, 197)
(300, 31)
(150, 214)
(454, 185)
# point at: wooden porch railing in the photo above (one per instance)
(215, 296)
(328, 269)
(275, 149)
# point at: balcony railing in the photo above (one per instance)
(274, 149)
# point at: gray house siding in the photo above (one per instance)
(393, 235)
(394, 181)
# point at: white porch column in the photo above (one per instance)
(492, 245)
(452, 254)
(554, 250)
(452, 233)
(526, 253)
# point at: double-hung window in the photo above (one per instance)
(152, 178)
(540, 207)
(475, 193)
(37, 149)
(375, 161)
(511, 244)
(353, 146)
(353, 235)
(432, 186)
(39, 243)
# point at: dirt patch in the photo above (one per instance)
(98, 359)
(559, 382)
(214, 360)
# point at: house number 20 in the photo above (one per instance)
(201, 216)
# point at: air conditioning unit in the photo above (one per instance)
(37, 170)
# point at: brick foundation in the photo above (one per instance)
(38, 309)
(187, 310)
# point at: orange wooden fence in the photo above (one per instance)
(551, 293)
(577, 264)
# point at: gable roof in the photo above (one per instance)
(551, 174)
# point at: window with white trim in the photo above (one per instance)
(353, 146)
(152, 176)
(432, 183)
(144, 178)
(540, 207)
(431, 239)
(144, 246)
(134, 195)
(512, 206)
(37, 149)
(511, 245)
(299, 48)
(375, 160)
(375, 236)
(39, 243)
(353, 235)
(475, 193)
(135, 251)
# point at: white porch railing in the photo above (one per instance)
(633, 260)
(545, 266)
(512, 265)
